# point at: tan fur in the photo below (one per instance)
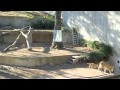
(105, 66)
(92, 65)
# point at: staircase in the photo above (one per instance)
(75, 39)
(74, 60)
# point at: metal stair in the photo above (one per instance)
(75, 39)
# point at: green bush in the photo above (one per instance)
(96, 45)
(83, 42)
(37, 25)
(89, 44)
(43, 23)
(74, 30)
(102, 52)
(93, 44)
(64, 29)
(92, 56)
(106, 49)
(49, 22)
(95, 55)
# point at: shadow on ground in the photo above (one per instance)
(8, 75)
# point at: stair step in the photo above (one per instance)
(75, 56)
(75, 39)
(74, 60)
(70, 62)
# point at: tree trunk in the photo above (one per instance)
(57, 45)
(27, 38)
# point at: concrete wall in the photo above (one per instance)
(11, 38)
(103, 26)
(36, 37)
(1, 38)
(16, 22)
(34, 61)
(42, 37)
(66, 37)
(47, 37)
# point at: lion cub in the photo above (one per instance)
(93, 65)
(105, 66)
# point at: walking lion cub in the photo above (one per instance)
(92, 65)
(105, 66)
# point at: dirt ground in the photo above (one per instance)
(44, 50)
(62, 71)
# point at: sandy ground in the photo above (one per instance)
(63, 71)
(44, 50)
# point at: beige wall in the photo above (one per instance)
(11, 38)
(103, 26)
(42, 37)
(37, 37)
(16, 22)
(66, 37)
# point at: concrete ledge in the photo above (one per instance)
(33, 61)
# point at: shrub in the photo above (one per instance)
(64, 29)
(102, 52)
(93, 44)
(49, 22)
(106, 49)
(43, 23)
(92, 56)
(89, 44)
(96, 45)
(37, 24)
(74, 30)
(83, 42)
